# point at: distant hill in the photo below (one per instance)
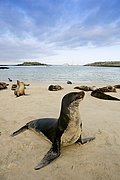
(33, 63)
(105, 64)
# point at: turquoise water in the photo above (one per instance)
(62, 73)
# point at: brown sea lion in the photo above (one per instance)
(85, 88)
(20, 90)
(107, 89)
(3, 85)
(54, 87)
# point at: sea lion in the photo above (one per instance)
(107, 89)
(20, 90)
(54, 87)
(3, 85)
(66, 130)
(117, 86)
(69, 82)
(101, 95)
(85, 88)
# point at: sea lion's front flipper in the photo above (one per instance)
(85, 140)
(52, 154)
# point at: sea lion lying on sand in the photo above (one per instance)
(85, 88)
(3, 85)
(117, 86)
(54, 87)
(107, 89)
(69, 82)
(93, 88)
(101, 95)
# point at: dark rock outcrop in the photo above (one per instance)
(3, 67)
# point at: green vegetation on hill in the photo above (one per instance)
(33, 63)
(105, 64)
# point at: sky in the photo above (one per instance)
(59, 31)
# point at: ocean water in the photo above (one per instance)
(62, 74)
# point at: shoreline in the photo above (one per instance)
(76, 74)
(95, 160)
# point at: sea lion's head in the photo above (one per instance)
(70, 108)
(73, 98)
(70, 102)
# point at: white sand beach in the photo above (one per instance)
(97, 160)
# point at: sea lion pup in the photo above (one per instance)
(98, 94)
(20, 90)
(66, 130)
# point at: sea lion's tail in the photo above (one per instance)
(22, 129)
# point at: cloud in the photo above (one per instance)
(79, 35)
(39, 29)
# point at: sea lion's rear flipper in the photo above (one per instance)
(22, 129)
(52, 154)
